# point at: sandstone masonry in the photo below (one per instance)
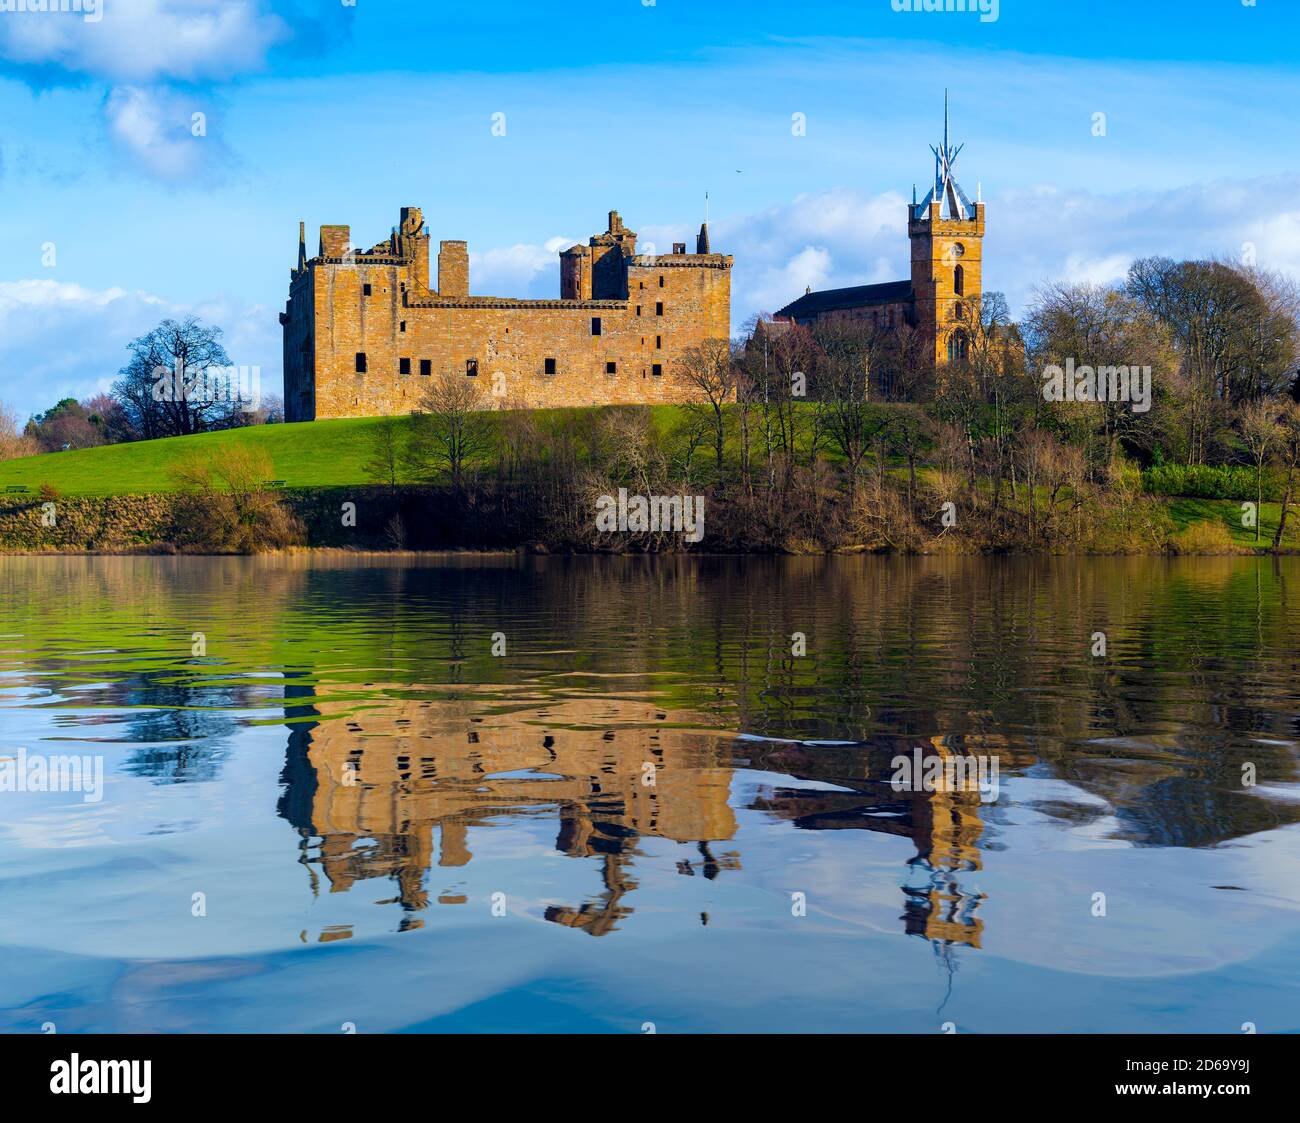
(364, 332)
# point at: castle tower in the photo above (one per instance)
(947, 234)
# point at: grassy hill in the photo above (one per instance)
(310, 454)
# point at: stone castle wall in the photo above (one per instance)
(618, 338)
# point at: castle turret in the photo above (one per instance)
(702, 239)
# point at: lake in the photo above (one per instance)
(314, 794)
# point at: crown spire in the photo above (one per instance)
(946, 191)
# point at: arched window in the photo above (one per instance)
(957, 348)
(959, 281)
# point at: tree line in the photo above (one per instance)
(841, 434)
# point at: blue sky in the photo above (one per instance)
(337, 113)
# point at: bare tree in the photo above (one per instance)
(1262, 434)
(169, 388)
(1289, 446)
(386, 452)
(710, 372)
(451, 431)
(14, 444)
(844, 377)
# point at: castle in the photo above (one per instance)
(941, 299)
(365, 332)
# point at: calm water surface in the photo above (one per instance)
(643, 807)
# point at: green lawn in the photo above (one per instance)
(307, 454)
(310, 453)
(1186, 511)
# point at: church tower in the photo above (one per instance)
(947, 235)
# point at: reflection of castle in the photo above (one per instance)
(375, 809)
(374, 787)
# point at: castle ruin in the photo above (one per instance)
(366, 332)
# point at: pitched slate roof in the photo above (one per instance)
(813, 304)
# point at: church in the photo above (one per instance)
(946, 231)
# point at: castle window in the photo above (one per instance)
(365, 290)
(595, 325)
(403, 366)
(659, 308)
(471, 368)
(402, 327)
(957, 347)
(361, 362)
(959, 281)
(638, 309)
(661, 280)
(550, 366)
(659, 342)
(611, 367)
(958, 312)
(426, 367)
(657, 370)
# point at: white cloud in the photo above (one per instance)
(146, 40)
(840, 237)
(61, 340)
(521, 270)
(155, 129)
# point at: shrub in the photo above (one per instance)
(1208, 481)
(1205, 537)
(225, 505)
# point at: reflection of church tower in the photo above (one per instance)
(602, 915)
(946, 830)
(947, 233)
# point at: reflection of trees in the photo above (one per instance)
(187, 729)
(958, 654)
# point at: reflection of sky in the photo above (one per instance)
(123, 898)
(97, 898)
